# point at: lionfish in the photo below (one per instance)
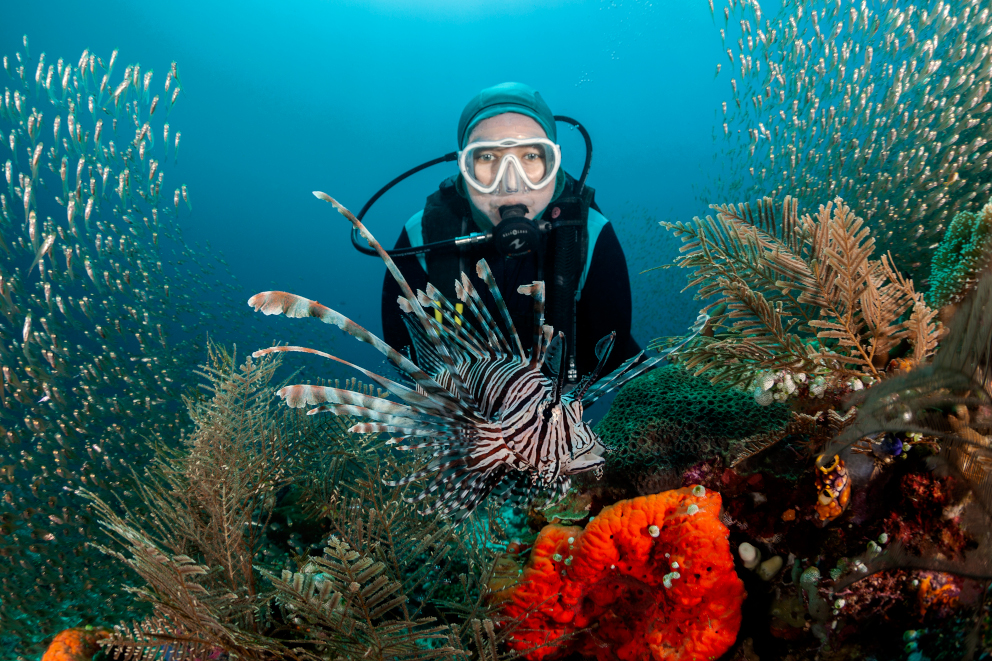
(496, 424)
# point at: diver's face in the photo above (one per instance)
(501, 127)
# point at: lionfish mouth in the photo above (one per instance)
(467, 365)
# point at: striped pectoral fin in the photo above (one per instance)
(437, 401)
(297, 306)
(424, 428)
(413, 430)
(302, 395)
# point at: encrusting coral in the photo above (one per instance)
(797, 292)
(650, 578)
(962, 254)
(668, 418)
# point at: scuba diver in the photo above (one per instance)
(514, 205)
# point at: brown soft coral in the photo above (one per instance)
(650, 578)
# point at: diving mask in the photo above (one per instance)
(510, 165)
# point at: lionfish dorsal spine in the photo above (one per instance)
(457, 326)
(536, 291)
(486, 275)
(478, 308)
(394, 270)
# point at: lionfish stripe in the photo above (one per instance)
(462, 327)
(404, 287)
(483, 271)
(442, 405)
(536, 291)
(276, 302)
(298, 396)
(469, 296)
(370, 428)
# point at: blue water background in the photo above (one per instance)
(283, 98)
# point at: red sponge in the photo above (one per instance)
(649, 579)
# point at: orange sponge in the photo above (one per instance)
(79, 644)
(649, 579)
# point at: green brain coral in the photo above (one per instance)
(669, 419)
(963, 252)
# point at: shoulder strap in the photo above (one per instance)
(446, 216)
(569, 216)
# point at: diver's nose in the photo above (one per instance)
(511, 182)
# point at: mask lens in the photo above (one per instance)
(509, 165)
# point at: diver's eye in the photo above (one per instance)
(486, 156)
(533, 156)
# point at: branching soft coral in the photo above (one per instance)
(799, 293)
(650, 578)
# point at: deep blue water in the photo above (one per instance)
(285, 98)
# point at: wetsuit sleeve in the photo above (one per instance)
(393, 330)
(605, 305)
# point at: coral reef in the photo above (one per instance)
(963, 253)
(665, 420)
(648, 578)
(797, 292)
(947, 399)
